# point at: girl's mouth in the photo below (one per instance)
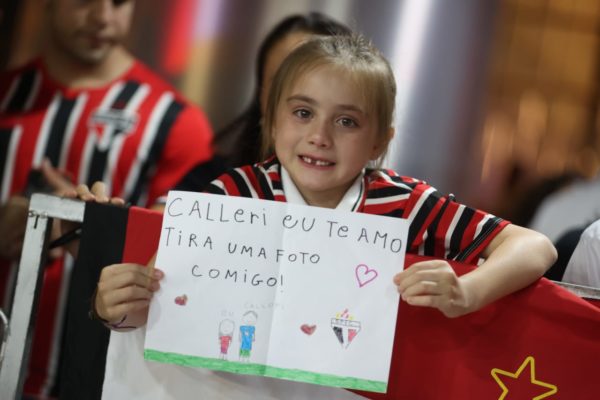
(316, 162)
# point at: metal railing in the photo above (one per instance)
(42, 210)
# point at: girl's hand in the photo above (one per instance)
(124, 292)
(435, 284)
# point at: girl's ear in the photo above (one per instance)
(380, 148)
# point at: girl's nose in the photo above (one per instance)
(321, 135)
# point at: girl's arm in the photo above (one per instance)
(123, 294)
(515, 258)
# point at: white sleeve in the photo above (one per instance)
(584, 265)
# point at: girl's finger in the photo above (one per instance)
(126, 280)
(423, 268)
(424, 301)
(116, 269)
(422, 288)
(124, 295)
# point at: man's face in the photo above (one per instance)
(87, 30)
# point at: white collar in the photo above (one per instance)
(349, 202)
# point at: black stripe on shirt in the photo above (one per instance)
(422, 215)
(58, 129)
(383, 192)
(24, 88)
(263, 183)
(125, 96)
(99, 158)
(459, 231)
(396, 213)
(214, 189)
(97, 166)
(143, 179)
(432, 229)
(277, 184)
(488, 228)
(240, 183)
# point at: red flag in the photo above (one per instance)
(541, 342)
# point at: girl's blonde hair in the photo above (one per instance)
(353, 55)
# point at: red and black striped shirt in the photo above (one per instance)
(439, 226)
(136, 133)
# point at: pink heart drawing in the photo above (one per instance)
(181, 300)
(364, 274)
(308, 329)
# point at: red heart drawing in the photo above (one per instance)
(308, 329)
(181, 300)
(364, 274)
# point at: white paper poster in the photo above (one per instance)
(277, 289)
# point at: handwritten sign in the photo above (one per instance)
(277, 289)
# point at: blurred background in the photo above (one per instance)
(498, 99)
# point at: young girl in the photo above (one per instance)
(328, 116)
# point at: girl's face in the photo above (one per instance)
(323, 135)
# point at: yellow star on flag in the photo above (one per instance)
(497, 373)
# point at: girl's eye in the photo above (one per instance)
(347, 123)
(302, 113)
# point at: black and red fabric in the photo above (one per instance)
(110, 235)
(137, 134)
(541, 342)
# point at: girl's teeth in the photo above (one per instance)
(318, 163)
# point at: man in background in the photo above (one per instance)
(86, 110)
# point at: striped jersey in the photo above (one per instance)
(136, 134)
(438, 225)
